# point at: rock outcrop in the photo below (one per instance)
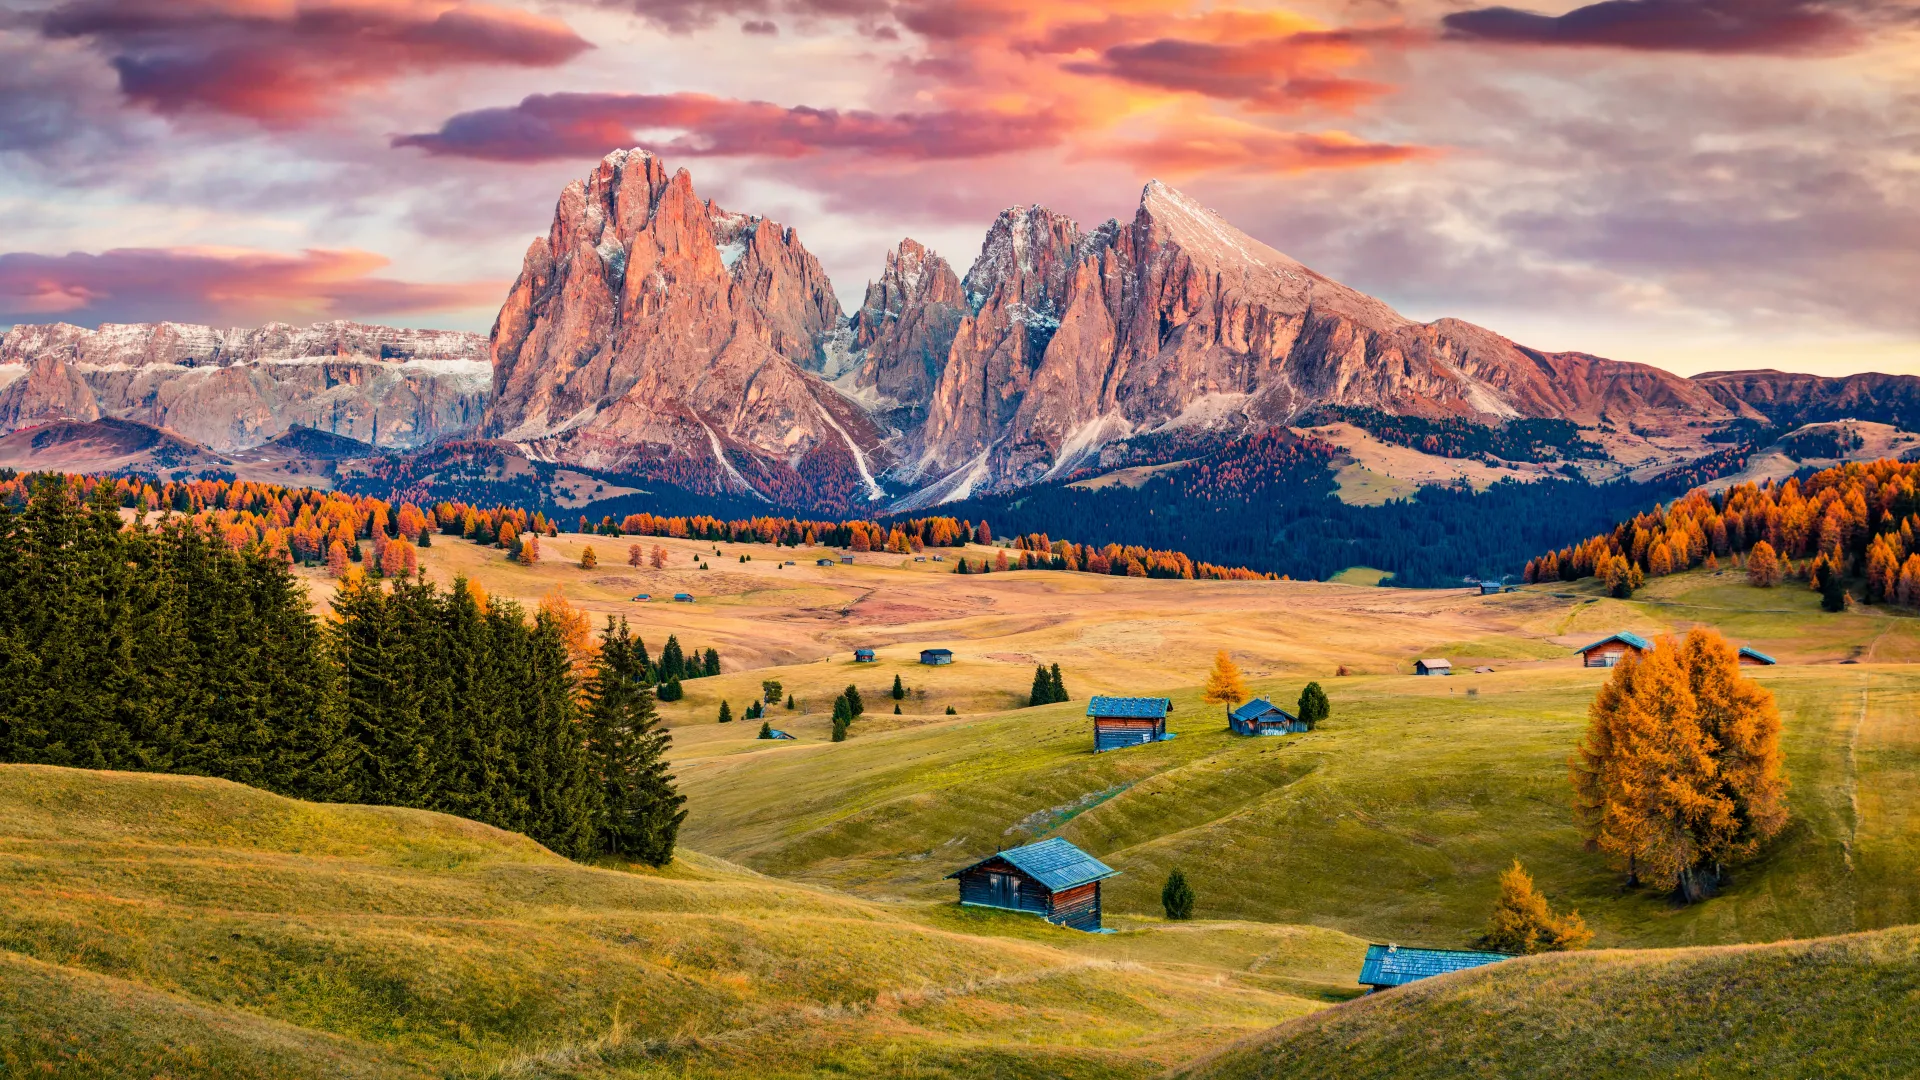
(238, 388)
(900, 337)
(653, 332)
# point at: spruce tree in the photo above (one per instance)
(670, 690)
(1059, 686)
(726, 713)
(1314, 706)
(855, 706)
(563, 804)
(790, 704)
(1177, 896)
(766, 729)
(842, 718)
(1042, 691)
(899, 688)
(673, 665)
(372, 636)
(639, 811)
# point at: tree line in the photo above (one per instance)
(163, 647)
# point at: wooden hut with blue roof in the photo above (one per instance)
(1388, 966)
(1610, 649)
(1051, 879)
(1263, 717)
(1752, 657)
(1128, 721)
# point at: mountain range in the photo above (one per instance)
(653, 333)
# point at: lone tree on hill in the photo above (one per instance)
(1680, 770)
(635, 556)
(588, 560)
(627, 750)
(1523, 923)
(1225, 684)
(899, 688)
(1177, 896)
(726, 713)
(1314, 706)
(770, 691)
(1763, 566)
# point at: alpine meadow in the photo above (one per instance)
(959, 540)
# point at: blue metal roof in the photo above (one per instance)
(1748, 650)
(1133, 708)
(1634, 640)
(1259, 707)
(1397, 965)
(1053, 863)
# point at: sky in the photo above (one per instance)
(1697, 184)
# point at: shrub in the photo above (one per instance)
(1177, 896)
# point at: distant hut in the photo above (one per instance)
(936, 657)
(848, 559)
(1388, 966)
(1752, 657)
(1490, 588)
(776, 733)
(1433, 666)
(1051, 879)
(863, 656)
(1263, 717)
(683, 598)
(1608, 650)
(823, 562)
(641, 598)
(1127, 721)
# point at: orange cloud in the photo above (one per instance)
(220, 285)
(290, 60)
(1188, 148)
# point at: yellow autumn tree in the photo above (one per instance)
(1225, 684)
(1679, 772)
(1523, 923)
(1763, 566)
(576, 630)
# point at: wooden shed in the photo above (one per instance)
(683, 597)
(1433, 666)
(823, 562)
(936, 657)
(1608, 650)
(1491, 588)
(1128, 721)
(1388, 966)
(1752, 657)
(1051, 879)
(863, 656)
(1263, 717)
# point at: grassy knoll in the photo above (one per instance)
(185, 926)
(1836, 1007)
(1390, 821)
(1360, 575)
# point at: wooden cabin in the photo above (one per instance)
(1388, 966)
(936, 657)
(683, 597)
(776, 733)
(823, 562)
(1263, 717)
(1433, 666)
(1608, 650)
(1128, 721)
(1752, 657)
(863, 656)
(1051, 879)
(847, 559)
(641, 598)
(1491, 588)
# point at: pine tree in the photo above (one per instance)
(670, 690)
(766, 729)
(1177, 896)
(1059, 686)
(673, 664)
(790, 704)
(855, 706)
(1313, 707)
(770, 691)
(842, 718)
(710, 663)
(726, 713)
(1042, 691)
(1225, 685)
(896, 709)
(1522, 922)
(563, 803)
(640, 810)
(899, 688)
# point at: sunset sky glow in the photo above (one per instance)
(1699, 184)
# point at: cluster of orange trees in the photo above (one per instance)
(307, 525)
(1858, 519)
(1679, 774)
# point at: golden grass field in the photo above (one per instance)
(172, 926)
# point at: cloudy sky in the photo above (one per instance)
(1700, 184)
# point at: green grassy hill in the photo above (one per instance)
(173, 926)
(1391, 821)
(1835, 1007)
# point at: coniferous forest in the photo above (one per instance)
(160, 648)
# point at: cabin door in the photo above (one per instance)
(1003, 890)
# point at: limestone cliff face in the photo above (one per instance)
(904, 330)
(1179, 320)
(232, 389)
(655, 332)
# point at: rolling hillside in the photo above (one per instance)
(248, 935)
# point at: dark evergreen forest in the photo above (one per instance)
(159, 648)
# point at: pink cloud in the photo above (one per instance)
(1777, 27)
(219, 285)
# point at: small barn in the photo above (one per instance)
(847, 559)
(1388, 966)
(1752, 657)
(1608, 650)
(823, 562)
(641, 598)
(1433, 666)
(1128, 721)
(863, 656)
(1490, 588)
(936, 657)
(1051, 879)
(683, 598)
(1263, 717)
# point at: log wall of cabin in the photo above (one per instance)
(975, 888)
(1078, 907)
(1112, 732)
